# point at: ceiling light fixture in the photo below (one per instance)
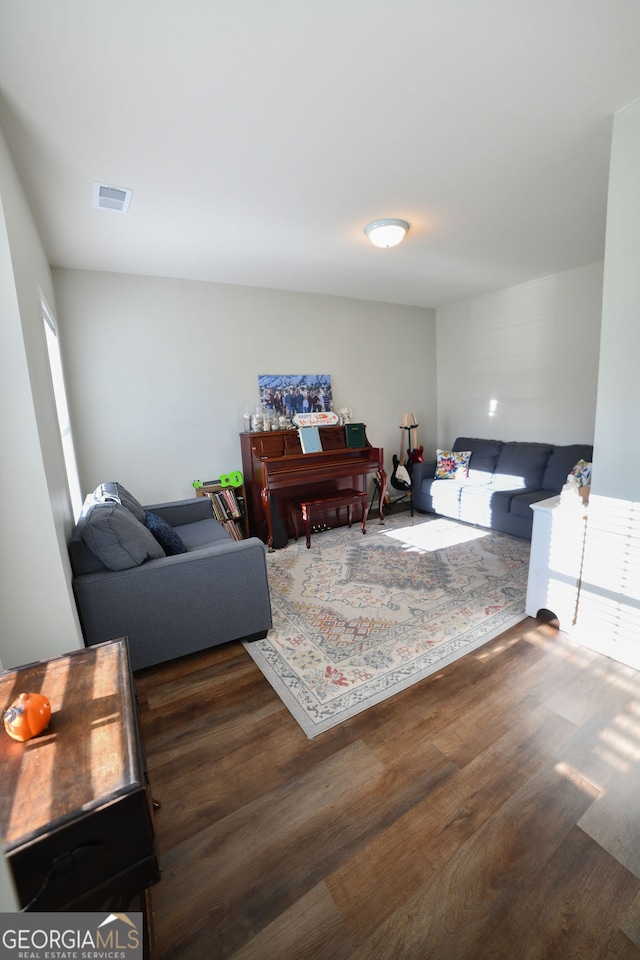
(386, 233)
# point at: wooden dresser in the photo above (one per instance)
(75, 804)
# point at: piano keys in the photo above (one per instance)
(276, 472)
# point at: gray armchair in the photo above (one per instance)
(169, 606)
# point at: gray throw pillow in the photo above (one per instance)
(120, 541)
(116, 492)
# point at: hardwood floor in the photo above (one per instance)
(490, 811)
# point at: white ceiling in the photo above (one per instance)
(260, 136)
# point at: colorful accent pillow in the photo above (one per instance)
(582, 473)
(167, 537)
(452, 464)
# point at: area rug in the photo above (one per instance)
(358, 618)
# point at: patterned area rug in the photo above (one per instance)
(359, 618)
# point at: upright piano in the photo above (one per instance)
(277, 472)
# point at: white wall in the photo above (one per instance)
(38, 614)
(38, 617)
(522, 363)
(609, 606)
(159, 370)
(618, 399)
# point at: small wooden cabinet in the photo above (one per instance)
(75, 804)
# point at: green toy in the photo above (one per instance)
(226, 480)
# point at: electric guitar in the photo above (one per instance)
(400, 478)
(415, 454)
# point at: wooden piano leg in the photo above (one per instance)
(294, 507)
(365, 513)
(383, 491)
(266, 509)
(306, 516)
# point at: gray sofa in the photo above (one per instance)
(184, 587)
(503, 480)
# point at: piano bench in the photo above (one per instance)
(336, 499)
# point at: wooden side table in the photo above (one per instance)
(75, 804)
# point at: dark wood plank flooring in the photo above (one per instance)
(490, 811)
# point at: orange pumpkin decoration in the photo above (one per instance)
(27, 716)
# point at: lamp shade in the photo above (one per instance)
(386, 233)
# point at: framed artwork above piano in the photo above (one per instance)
(277, 471)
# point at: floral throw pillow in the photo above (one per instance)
(452, 464)
(582, 473)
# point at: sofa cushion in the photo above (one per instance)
(521, 465)
(452, 464)
(521, 504)
(203, 533)
(478, 503)
(119, 494)
(484, 457)
(82, 559)
(120, 541)
(561, 463)
(170, 541)
(444, 496)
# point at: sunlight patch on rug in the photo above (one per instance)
(357, 619)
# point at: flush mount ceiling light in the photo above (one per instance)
(386, 233)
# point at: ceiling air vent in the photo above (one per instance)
(107, 197)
